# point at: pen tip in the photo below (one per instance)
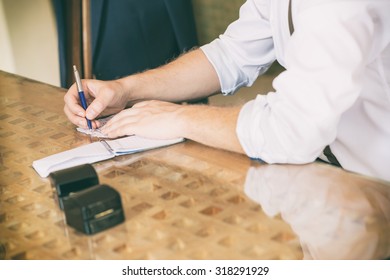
(74, 68)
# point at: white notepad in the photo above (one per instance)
(98, 151)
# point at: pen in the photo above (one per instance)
(81, 93)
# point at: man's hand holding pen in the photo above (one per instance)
(105, 98)
(153, 119)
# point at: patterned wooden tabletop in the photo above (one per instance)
(186, 201)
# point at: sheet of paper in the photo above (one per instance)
(96, 132)
(93, 132)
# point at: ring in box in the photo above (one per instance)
(71, 180)
(94, 209)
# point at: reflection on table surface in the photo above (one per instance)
(336, 215)
(186, 201)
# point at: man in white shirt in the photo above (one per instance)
(335, 91)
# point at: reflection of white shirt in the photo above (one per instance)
(336, 88)
(336, 215)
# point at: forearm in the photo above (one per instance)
(189, 77)
(209, 125)
(212, 126)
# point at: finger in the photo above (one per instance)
(121, 115)
(124, 129)
(122, 119)
(98, 123)
(112, 124)
(150, 103)
(75, 119)
(72, 102)
(79, 121)
(141, 104)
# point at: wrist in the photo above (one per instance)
(127, 87)
(186, 120)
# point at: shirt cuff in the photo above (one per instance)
(229, 78)
(247, 117)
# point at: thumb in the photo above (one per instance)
(96, 108)
(102, 99)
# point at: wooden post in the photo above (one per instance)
(86, 35)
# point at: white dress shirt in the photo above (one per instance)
(336, 87)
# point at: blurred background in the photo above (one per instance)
(30, 45)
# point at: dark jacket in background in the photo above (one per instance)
(130, 36)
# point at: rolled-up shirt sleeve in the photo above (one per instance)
(244, 51)
(326, 58)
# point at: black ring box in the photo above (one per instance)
(71, 180)
(94, 209)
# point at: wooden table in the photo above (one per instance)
(187, 201)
